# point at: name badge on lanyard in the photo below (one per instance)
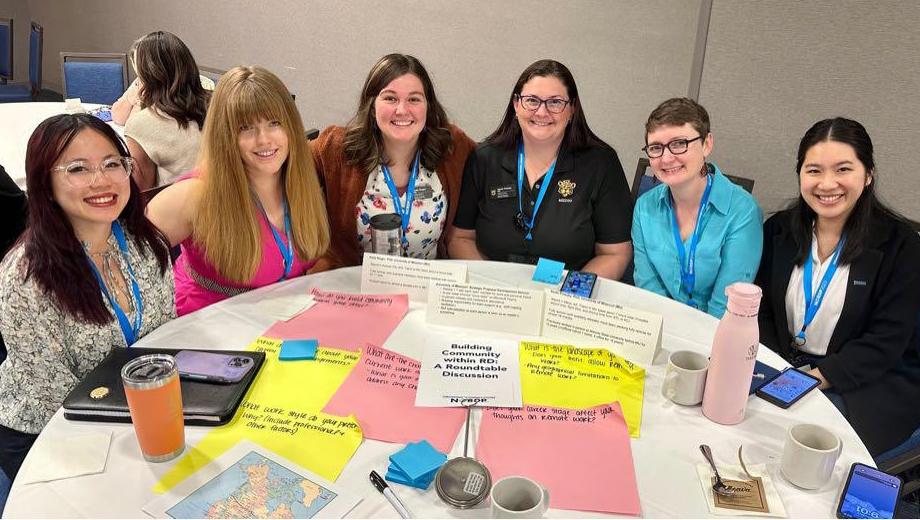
(687, 259)
(403, 210)
(813, 301)
(287, 251)
(129, 330)
(520, 220)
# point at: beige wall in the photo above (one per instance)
(18, 10)
(626, 56)
(772, 69)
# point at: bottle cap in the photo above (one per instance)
(743, 298)
(386, 221)
(463, 482)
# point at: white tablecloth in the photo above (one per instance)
(17, 122)
(664, 456)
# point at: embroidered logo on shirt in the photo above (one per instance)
(566, 188)
(862, 283)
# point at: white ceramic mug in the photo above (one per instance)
(685, 378)
(810, 455)
(519, 497)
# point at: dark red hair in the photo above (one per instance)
(54, 254)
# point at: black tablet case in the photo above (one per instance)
(203, 403)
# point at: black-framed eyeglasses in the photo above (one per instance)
(677, 147)
(532, 103)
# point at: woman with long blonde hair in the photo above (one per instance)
(253, 213)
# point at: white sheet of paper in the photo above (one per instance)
(249, 481)
(66, 457)
(385, 274)
(631, 333)
(461, 370)
(503, 309)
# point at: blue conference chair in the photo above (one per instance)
(211, 73)
(6, 50)
(18, 93)
(99, 78)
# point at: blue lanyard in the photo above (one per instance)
(404, 211)
(129, 332)
(547, 180)
(287, 251)
(813, 303)
(688, 273)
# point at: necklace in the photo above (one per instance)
(108, 261)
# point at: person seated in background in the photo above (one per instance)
(163, 132)
(90, 274)
(543, 185)
(13, 212)
(253, 213)
(697, 232)
(841, 286)
(398, 154)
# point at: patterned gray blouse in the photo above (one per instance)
(50, 351)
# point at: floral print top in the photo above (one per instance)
(426, 222)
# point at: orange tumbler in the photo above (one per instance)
(155, 400)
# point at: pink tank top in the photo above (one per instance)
(198, 284)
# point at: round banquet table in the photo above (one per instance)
(18, 122)
(664, 456)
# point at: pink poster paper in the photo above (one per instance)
(345, 321)
(380, 393)
(582, 457)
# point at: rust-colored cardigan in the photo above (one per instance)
(344, 185)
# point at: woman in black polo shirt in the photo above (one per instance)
(543, 185)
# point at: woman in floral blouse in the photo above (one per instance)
(91, 273)
(398, 154)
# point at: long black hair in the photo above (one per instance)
(868, 206)
(577, 136)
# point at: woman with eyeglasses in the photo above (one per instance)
(90, 274)
(841, 287)
(697, 232)
(167, 111)
(543, 185)
(253, 213)
(398, 154)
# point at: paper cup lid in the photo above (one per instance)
(463, 482)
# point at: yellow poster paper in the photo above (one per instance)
(281, 413)
(565, 376)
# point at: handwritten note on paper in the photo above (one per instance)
(380, 393)
(469, 372)
(412, 276)
(570, 377)
(345, 321)
(583, 457)
(631, 333)
(502, 309)
(282, 415)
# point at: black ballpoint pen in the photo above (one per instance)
(391, 497)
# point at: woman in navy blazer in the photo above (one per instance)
(861, 340)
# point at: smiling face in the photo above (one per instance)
(832, 179)
(263, 147)
(401, 109)
(677, 170)
(540, 125)
(100, 202)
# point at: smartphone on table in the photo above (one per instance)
(579, 283)
(788, 387)
(869, 493)
(212, 366)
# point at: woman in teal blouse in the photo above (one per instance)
(697, 232)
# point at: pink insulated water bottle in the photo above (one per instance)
(734, 351)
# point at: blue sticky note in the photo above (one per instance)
(418, 459)
(548, 271)
(399, 478)
(298, 349)
(394, 470)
